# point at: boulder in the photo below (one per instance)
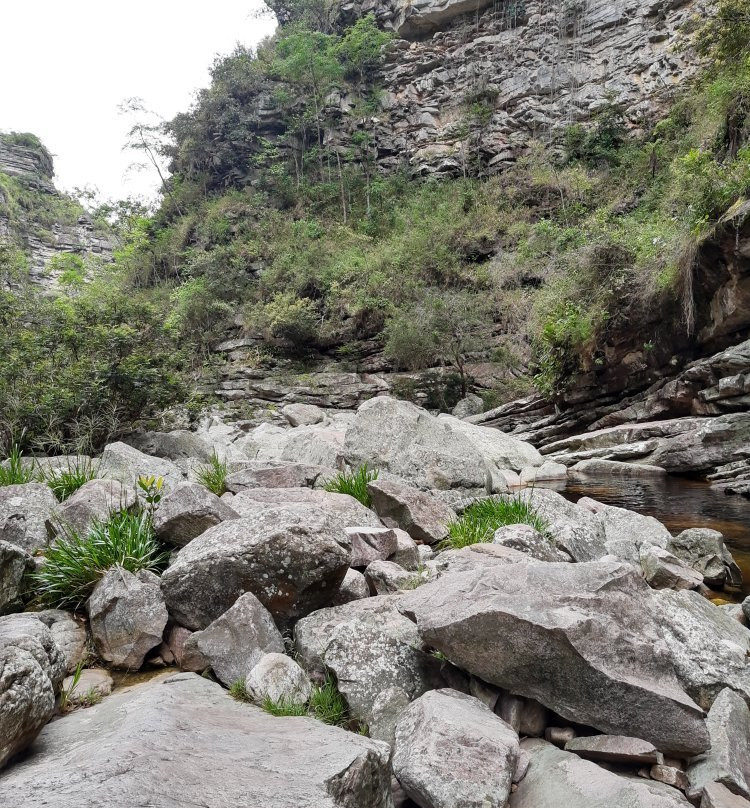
(556, 778)
(219, 753)
(126, 464)
(428, 452)
(302, 414)
(180, 444)
(68, 633)
(483, 752)
(235, 642)
(94, 682)
(26, 632)
(526, 539)
(626, 531)
(572, 527)
(468, 406)
(371, 544)
(370, 647)
(549, 471)
(386, 711)
(279, 679)
(24, 512)
(615, 749)
(349, 511)
(14, 564)
(407, 551)
(728, 760)
(27, 702)
(94, 501)
(703, 550)
(384, 577)
(292, 559)
(709, 648)
(127, 616)
(474, 557)
(662, 570)
(353, 587)
(276, 474)
(187, 511)
(746, 608)
(715, 795)
(561, 634)
(424, 517)
(603, 468)
(316, 445)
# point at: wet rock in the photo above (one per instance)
(94, 501)
(279, 679)
(662, 570)
(573, 528)
(615, 749)
(14, 564)
(126, 464)
(371, 544)
(276, 474)
(302, 414)
(353, 587)
(127, 616)
(385, 577)
(484, 752)
(187, 511)
(118, 748)
(557, 778)
(560, 633)
(526, 539)
(421, 515)
(24, 513)
(728, 760)
(292, 559)
(235, 642)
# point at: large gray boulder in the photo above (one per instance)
(180, 444)
(68, 633)
(187, 511)
(478, 771)
(221, 754)
(715, 795)
(26, 632)
(370, 647)
(704, 550)
(709, 648)
(302, 414)
(385, 577)
(353, 587)
(424, 517)
(371, 544)
(291, 558)
(276, 474)
(316, 445)
(279, 679)
(127, 616)
(95, 500)
(24, 513)
(433, 453)
(558, 779)
(662, 570)
(728, 760)
(14, 564)
(573, 528)
(565, 635)
(235, 642)
(126, 464)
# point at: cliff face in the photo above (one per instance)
(469, 77)
(38, 219)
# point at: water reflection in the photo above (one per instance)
(678, 503)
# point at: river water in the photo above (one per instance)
(679, 504)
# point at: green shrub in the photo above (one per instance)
(74, 563)
(214, 475)
(292, 319)
(13, 471)
(481, 519)
(354, 483)
(67, 481)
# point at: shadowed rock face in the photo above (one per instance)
(220, 753)
(583, 639)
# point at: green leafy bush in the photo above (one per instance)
(68, 480)
(354, 483)
(480, 520)
(74, 563)
(214, 475)
(13, 470)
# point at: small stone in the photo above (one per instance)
(353, 587)
(279, 679)
(487, 694)
(670, 776)
(533, 719)
(386, 711)
(302, 414)
(371, 544)
(522, 766)
(384, 577)
(94, 501)
(560, 736)
(407, 551)
(14, 564)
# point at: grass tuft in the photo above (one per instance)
(74, 563)
(480, 520)
(328, 705)
(354, 483)
(214, 475)
(65, 482)
(13, 471)
(283, 708)
(238, 691)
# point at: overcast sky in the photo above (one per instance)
(67, 65)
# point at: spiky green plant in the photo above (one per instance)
(328, 705)
(66, 481)
(283, 707)
(238, 690)
(481, 519)
(214, 475)
(354, 483)
(75, 562)
(13, 471)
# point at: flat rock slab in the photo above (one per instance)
(558, 779)
(615, 749)
(182, 741)
(715, 795)
(582, 639)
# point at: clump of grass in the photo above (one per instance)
(354, 483)
(65, 482)
(214, 475)
(283, 707)
(13, 471)
(328, 705)
(74, 563)
(480, 520)
(238, 691)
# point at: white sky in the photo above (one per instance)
(66, 66)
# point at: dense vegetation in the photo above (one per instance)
(295, 229)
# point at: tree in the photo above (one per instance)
(361, 48)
